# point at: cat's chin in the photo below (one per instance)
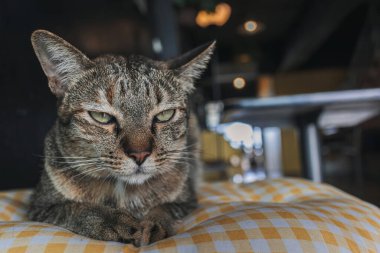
(135, 179)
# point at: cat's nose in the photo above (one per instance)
(137, 148)
(139, 157)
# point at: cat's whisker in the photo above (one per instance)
(182, 148)
(180, 151)
(76, 166)
(116, 168)
(105, 179)
(76, 162)
(67, 157)
(110, 158)
(169, 161)
(182, 158)
(88, 173)
(167, 170)
(180, 164)
(81, 174)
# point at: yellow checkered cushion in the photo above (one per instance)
(283, 215)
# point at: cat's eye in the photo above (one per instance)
(102, 117)
(165, 115)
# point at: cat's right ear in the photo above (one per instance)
(61, 62)
(190, 65)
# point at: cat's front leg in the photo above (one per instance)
(94, 221)
(159, 222)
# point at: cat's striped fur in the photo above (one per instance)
(91, 185)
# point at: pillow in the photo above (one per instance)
(281, 215)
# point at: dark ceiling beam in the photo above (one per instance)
(321, 19)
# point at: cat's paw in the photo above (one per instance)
(153, 229)
(123, 228)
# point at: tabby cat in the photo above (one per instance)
(121, 159)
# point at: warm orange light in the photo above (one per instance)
(251, 26)
(239, 83)
(244, 58)
(265, 86)
(219, 17)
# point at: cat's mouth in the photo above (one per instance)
(137, 170)
(140, 170)
(138, 176)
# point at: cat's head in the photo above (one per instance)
(120, 116)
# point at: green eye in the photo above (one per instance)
(101, 117)
(165, 115)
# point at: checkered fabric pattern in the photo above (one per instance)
(282, 215)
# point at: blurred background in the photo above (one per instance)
(280, 97)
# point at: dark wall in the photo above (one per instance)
(27, 109)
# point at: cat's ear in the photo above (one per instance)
(60, 61)
(191, 65)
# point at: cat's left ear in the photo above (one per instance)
(191, 65)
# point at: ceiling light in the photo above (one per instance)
(250, 26)
(239, 83)
(219, 17)
(157, 45)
